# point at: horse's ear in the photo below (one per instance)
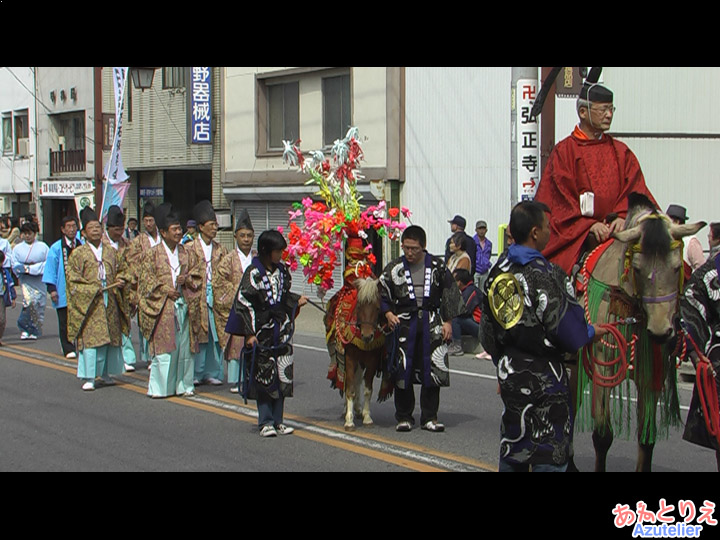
(680, 231)
(628, 235)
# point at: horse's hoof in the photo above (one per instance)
(350, 428)
(368, 423)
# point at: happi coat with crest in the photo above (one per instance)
(531, 325)
(265, 307)
(95, 318)
(422, 308)
(156, 311)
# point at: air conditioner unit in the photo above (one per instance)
(23, 147)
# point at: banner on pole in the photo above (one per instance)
(115, 171)
(114, 195)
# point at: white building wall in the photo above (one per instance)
(457, 139)
(17, 174)
(661, 113)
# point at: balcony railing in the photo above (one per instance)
(65, 161)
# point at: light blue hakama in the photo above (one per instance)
(128, 351)
(100, 361)
(172, 373)
(209, 360)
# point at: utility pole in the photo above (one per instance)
(524, 135)
(97, 147)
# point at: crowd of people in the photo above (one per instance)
(208, 314)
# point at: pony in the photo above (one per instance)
(357, 342)
(631, 284)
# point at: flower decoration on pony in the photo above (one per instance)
(327, 226)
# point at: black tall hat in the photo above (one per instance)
(88, 215)
(165, 216)
(242, 221)
(149, 210)
(115, 217)
(204, 212)
(593, 91)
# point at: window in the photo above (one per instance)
(336, 108)
(283, 114)
(7, 138)
(173, 77)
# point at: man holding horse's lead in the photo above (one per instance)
(420, 298)
(531, 322)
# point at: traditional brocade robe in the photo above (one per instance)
(197, 298)
(90, 321)
(441, 302)
(265, 307)
(156, 312)
(700, 313)
(133, 254)
(124, 270)
(576, 165)
(225, 286)
(530, 321)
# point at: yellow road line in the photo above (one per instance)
(402, 462)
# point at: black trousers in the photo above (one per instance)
(405, 398)
(67, 347)
(405, 403)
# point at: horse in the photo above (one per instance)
(353, 328)
(631, 284)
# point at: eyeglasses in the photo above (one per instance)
(604, 110)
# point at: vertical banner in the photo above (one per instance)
(115, 173)
(200, 106)
(527, 140)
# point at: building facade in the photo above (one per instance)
(18, 158)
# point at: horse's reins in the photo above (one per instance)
(621, 362)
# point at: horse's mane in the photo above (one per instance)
(655, 234)
(367, 291)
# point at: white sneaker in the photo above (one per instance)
(213, 381)
(129, 367)
(88, 386)
(32, 336)
(24, 335)
(189, 393)
(268, 431)
(71, 356)
(282, 429)
(234, 389)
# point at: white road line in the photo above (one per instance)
(458, 372)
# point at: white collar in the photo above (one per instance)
(113, 244)
(97, 251)
(174, 253)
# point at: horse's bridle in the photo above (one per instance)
(636, 248)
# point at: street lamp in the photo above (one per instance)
(142, 77)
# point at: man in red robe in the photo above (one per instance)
(587, 180)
